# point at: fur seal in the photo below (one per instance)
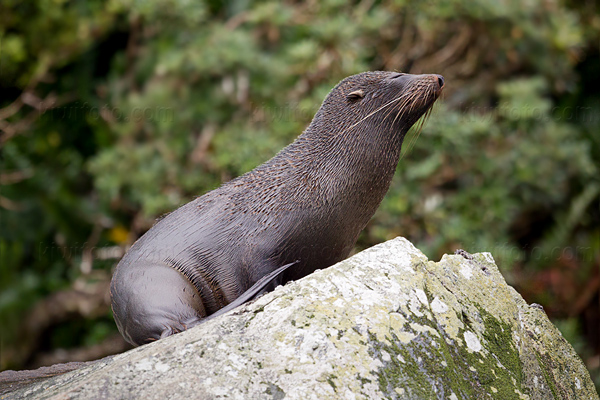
(300, 211)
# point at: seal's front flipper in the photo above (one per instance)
(248, 295)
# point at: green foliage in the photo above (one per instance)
(113, 113)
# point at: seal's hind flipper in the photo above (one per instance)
(248, 295)
(151, 300)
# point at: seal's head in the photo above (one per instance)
(384, 102)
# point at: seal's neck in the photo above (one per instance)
(352, 169)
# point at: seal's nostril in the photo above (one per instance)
(441, 81)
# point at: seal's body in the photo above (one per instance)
(304, 209)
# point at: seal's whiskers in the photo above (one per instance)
(418, 127)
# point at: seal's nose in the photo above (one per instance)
(440, 80)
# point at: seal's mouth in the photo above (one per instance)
(422, 91)
(418, 94)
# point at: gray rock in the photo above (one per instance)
(386, 323)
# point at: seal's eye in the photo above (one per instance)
(356, 95)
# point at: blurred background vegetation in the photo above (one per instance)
(115, 112)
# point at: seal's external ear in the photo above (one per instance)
(356, 95)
